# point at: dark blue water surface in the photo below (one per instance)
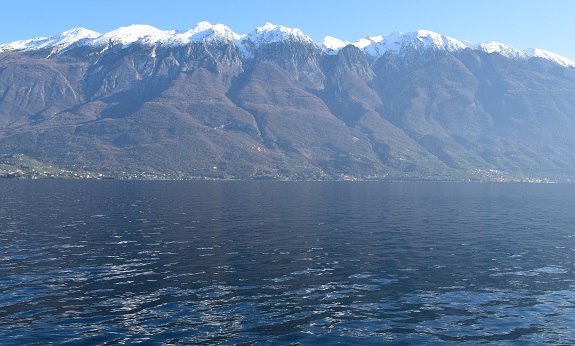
(152, 262)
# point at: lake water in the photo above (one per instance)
(193, 262)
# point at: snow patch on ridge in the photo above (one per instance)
(503, 49)
(556, 58)
(398, 43)
(430, 40)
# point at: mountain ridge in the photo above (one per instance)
(374, 46)
(280, 107)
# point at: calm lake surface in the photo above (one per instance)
(192, 262)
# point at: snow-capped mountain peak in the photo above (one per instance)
(57, 43)
(75, 35)
(270, 33)
(365, 42)
(331, 45)
(130, 34)
(426, 39)
(208, 31)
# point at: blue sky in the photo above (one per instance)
(522, 24)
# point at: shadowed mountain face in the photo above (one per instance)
(289, 111)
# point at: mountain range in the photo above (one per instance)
(274, 104)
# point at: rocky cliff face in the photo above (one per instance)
(286, 109)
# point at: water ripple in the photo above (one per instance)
(189, 263)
